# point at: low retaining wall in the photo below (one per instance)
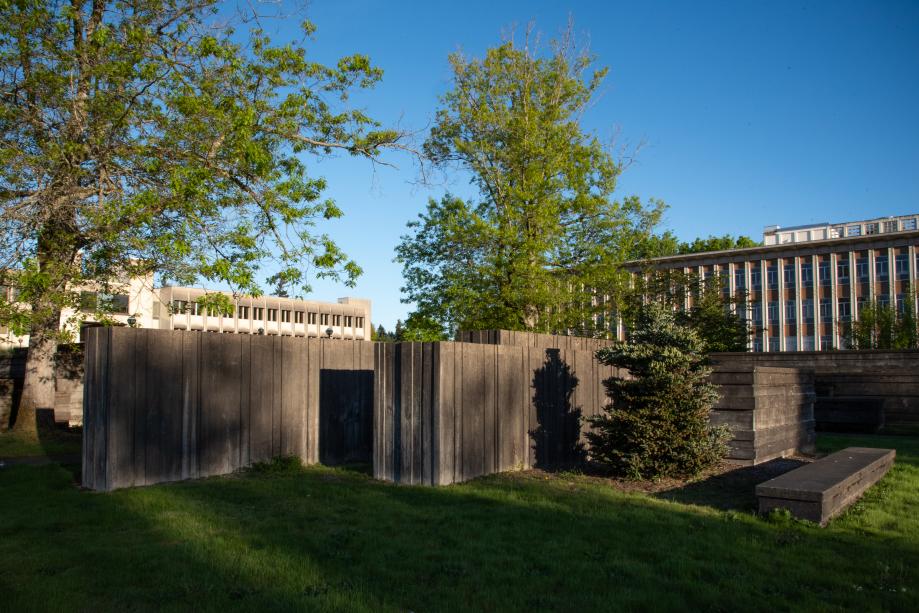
(169, 405)
(855, 390)
(769, 410)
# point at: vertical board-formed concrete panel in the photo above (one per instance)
(121, 423)
(459, 374)
(220, 403)
(245, 400)
(163, 410)
(389, 424)
(170, 405)
(473, 386)
(312, 376)
(277, 397)
(191, 402)
(536, 392)
(417, 413)
(402, 408)
(489, 409)
(261, 396)
(141, 396)
(294, 398)
(510, 406)
(445, 410)
(428, 451)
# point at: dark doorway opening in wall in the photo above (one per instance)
(345, 416)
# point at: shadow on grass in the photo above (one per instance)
(287, 538)
(731, 490)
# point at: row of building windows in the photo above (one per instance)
(824, 306)
(263, 314)
(903, 224)
(881, 269)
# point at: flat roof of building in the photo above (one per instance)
(862, 242)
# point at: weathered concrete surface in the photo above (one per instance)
(450, 412)
(516, 338)
(770, 411)
(867, 391)
(166, 405)
(821, 490)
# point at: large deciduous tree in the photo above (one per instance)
(537, 247)
(148, 135)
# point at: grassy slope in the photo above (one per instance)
(326, 539)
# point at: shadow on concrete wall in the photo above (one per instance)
(557, 437)
(345, 416)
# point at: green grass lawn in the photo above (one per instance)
(59, 441)
(288, 538)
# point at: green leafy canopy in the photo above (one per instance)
(151, 136)
(543, 233)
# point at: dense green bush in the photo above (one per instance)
(657, 423)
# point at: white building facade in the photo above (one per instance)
(137, 303)
(177, 308)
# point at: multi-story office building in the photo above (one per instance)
(177, 308)
(807, 282)
(137, 303)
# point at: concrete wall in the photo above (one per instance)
(532, 339)
(170, 405)
(450, 412)
(769, 410)
(855, 390)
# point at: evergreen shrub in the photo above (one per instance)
(657, 422)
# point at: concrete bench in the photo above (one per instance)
(822, 489)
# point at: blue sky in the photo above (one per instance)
(752, 113)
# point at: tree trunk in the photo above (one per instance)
(530, 317)
(38, 387)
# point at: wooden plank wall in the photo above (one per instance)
(450, 412)
(170, 405)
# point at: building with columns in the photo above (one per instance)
(136, 302)
(177, 308)
(807, 282)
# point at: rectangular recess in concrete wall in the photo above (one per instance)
(866, 391)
